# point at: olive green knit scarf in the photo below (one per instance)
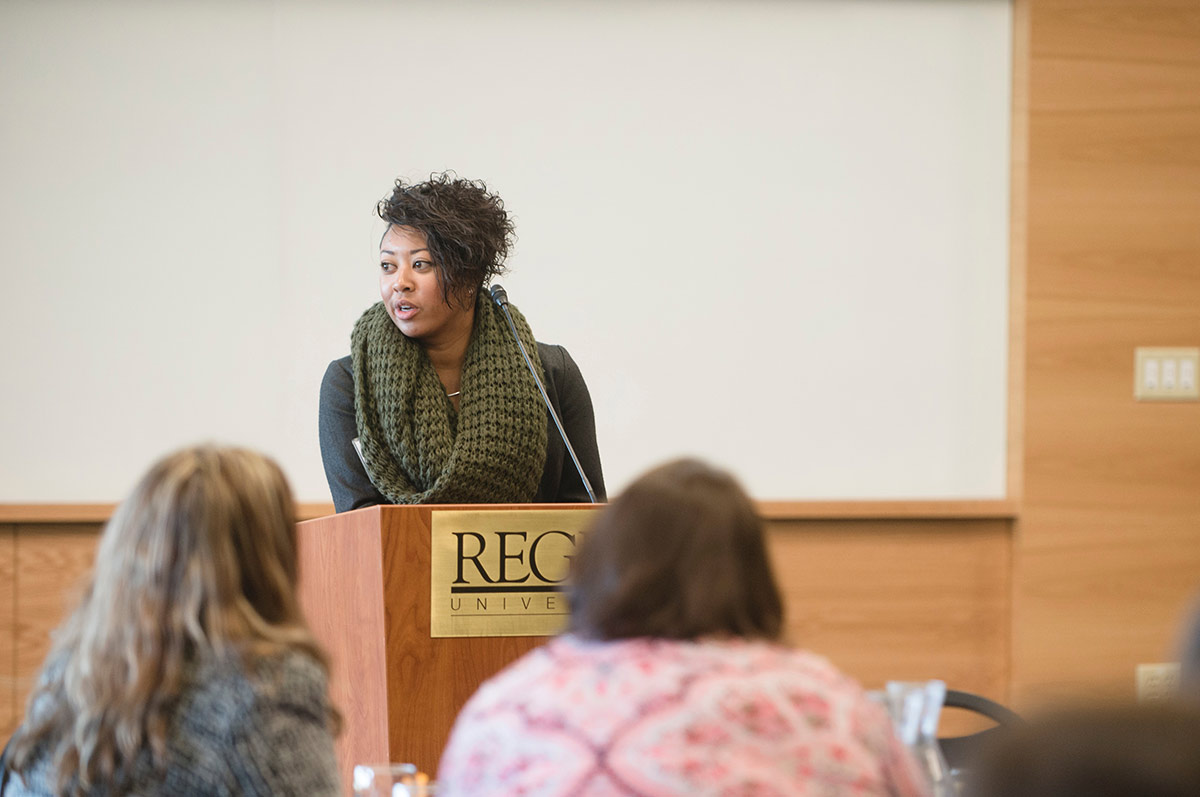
(417, 449)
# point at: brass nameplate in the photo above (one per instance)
(501, 572)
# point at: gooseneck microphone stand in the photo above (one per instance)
(500, 297)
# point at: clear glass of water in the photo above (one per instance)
(915, 708)
(391, 780)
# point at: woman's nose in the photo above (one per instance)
(401, 283)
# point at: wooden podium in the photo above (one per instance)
(365, 589)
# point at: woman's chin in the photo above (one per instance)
(407, 327)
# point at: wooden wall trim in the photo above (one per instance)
(882, 510)
(55, 513)
(100, 513)
(770, 510)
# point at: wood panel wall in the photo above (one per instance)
(900, 599)
(49, 564)
(1108, 541)
(8, 661)
(883, 598)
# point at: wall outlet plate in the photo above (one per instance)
(1157, 682)
(1166, 373)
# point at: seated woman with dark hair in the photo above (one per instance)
(672, 679)
(187, 668)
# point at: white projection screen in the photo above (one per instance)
(772, 234)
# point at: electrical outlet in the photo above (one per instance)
(1166, 374)
(1157, 682)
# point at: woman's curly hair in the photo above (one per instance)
(466, 227)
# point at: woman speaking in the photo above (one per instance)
(435, 403)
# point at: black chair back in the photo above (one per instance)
(960, 751)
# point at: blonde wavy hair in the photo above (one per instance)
(200, 560)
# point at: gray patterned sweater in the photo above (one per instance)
(234, 734)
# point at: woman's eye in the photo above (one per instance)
(387, 268)
(422, 265)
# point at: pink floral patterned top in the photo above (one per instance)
(660, 717)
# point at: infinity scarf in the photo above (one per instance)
(417, 449)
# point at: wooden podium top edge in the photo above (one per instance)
(770, 510)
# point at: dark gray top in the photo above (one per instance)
(233, 733)
(352, 488)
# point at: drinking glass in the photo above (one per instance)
(391, 780)
(915, 708)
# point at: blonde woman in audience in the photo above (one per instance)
(672, 679)
(187, 667)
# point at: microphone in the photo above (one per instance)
(500, 297)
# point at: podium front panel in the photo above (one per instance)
(497, 573)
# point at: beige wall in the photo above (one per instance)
(759, 227)
(1108, 541)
